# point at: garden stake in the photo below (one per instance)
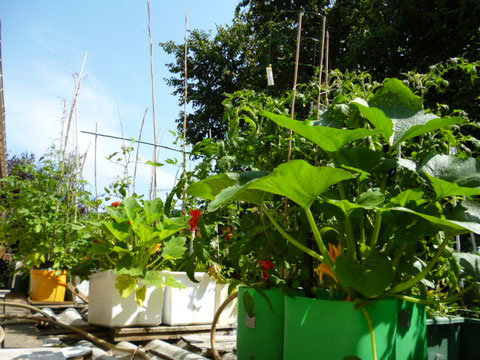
(227, 301)
(185, 116)
(72, 109)
(292, 110)
(138, 149)
(321, 68)
(152, 77)
(295, 76)
(327, 77)
(95, 171)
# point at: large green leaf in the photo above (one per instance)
(466, 210)
(297, 180)
(398, 113)
(170, 226)
(370, 277)
(377, 118)
(452, 227)
(133, 209)
(470, 264)
(209, 188)
(329, 139)
(419, 124)
(366, 160)
(153, 210)
(121, 231)
(396, 100)
(445, 189)
(458, 170)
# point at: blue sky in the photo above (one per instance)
(43, 43)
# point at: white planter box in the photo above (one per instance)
(229, 315)
(192, 305)
(108, 308)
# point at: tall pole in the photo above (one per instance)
(321, 67)
(327, 75)
(297, 59)
(185, 116)
(152, 73)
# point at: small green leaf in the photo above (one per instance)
(174, 248)
(154, 278)
(141, 295)
(153, 163)
(126, 284)
(409, 198)
(248, 303)
(371, 199)
(172, 282)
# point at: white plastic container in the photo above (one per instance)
(229, 314)
(192, 305)
(108, 308)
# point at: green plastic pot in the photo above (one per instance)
(331, 330)
(261, 337)
(443, 335)
(469, 336)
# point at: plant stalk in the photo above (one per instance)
(434, 302)
(417, 278)
(290, 238)
(372, 332)
(376, 229)
(316, 233)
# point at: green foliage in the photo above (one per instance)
(138, 240)
(40, 205)
(384, 210)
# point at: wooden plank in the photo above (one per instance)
(167, 329)
(22, 335)
(160, 336)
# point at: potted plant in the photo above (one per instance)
(132, 245)
(381, 216)
(40, 204)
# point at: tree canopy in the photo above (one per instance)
(384, 37)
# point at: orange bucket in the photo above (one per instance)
(45, 286)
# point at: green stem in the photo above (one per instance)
(376, 229)
(352, 253)
(318, 238)
(154, 262)
(398, 255)
(417, 278)
(290, 238)
(434, 302)
(372, 332)
(362, 230)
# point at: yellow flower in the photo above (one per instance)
(324, 268)
(156, 248)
